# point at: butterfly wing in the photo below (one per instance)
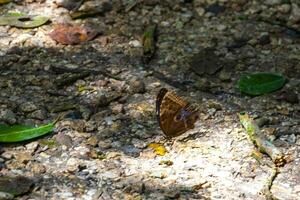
(170, 109)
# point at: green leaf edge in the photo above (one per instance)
(25, 133)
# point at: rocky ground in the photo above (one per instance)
(99, 150)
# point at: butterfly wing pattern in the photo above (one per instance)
(175, 115)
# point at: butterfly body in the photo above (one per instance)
(175, 115)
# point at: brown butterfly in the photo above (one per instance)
(174, 114)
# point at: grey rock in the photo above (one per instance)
(28, 107)
(272, 2)
(6, 196)
(295, 13)
(137, 85)
(40, 114)
(8, 116)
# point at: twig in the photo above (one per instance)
(261, 141)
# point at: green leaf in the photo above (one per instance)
(260, 83)
(18, 133)
(22, 20)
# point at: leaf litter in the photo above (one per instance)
(66, 33)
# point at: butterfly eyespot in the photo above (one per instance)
(177, 118)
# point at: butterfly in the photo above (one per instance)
(174, 114)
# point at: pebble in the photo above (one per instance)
(295, 13)
(40, 114)
(23, 157)
(32, 146)
(273, 2)
(101, 100)
(93, 141)
(6, 196)
(136, 85)
(284, 8)
(135, 43)
(225, 75)
(64, 139)
(106, 144)
(117, 109)
(38, 168)
(28, 107)
(72, 165)
(8, 116)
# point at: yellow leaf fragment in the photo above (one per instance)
(158, 149)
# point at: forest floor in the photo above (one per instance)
(100, 149)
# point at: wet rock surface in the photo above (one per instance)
(99, 149)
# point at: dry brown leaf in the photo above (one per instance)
(72, 34)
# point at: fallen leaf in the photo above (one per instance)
(22, 20)
(205, 62)
(18, 133)
(4, 1)
(158, 149)
(72, 34)
(260, 83)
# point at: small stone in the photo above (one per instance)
(200, 11)
(137, 85)
(205, 62)
(215, 8)
(32, 146)
(71, 66)
(221, 27)
(69, 4)
(272, 2)
(6, 196)
(202, 84)
(264, 39)
(38, 168)
(16, 185)
(72, 165)
(284, 8)
(295, 14)
(28, 107)
(102, 100)
(64, 139)
(40, 114)
(106, 144)
(116, 144)
(117, 109)
(93, 140)
(135, 43)
(7, 155)
(8, 116)
(292, 139)
(172, 194)
(262, 121)
(85, 112)
(131, 150)
(23, 157)
(288, 95)
(225, 75)
(186, 17)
